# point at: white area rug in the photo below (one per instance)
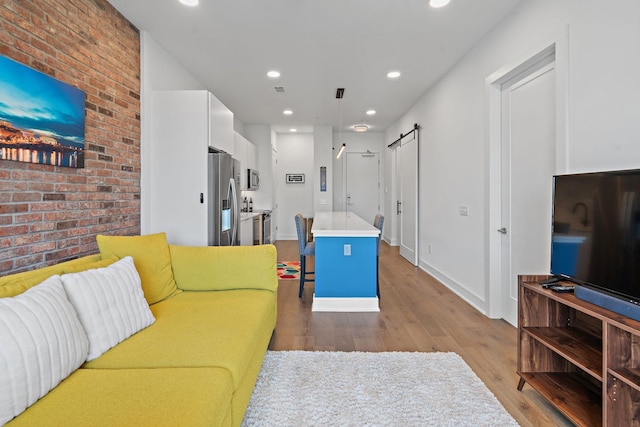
(299, 388)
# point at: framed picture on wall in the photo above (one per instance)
(41, 118)
(323, 178)
(294, 178)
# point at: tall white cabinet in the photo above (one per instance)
(184, 125)
(245, 152)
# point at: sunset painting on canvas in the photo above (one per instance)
(41, 118)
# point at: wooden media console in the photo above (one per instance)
(581, 357)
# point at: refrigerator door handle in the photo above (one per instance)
(234, 211)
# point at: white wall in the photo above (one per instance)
(603, 123)
(159, 71)
(239, 126)
(295, 155)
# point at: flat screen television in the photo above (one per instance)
(596, 231)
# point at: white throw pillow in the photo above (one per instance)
(41, 343)
(110, 304)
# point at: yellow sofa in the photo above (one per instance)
(215, 312)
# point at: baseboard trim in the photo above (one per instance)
(457, 288)
(345, 304)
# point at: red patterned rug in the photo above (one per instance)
(288, 270)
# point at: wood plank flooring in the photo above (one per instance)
(417, 313)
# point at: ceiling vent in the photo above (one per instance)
(279, 89)
(340, 93)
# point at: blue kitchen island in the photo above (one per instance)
(345, 263)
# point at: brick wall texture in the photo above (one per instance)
(50, 214)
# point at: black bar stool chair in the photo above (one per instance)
(306, 249)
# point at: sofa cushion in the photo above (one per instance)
(41, 343)
(151, 256)
(215, 268)
(135, 397)
(221, 329)
(15, 284)
(88, 264)
(110, 304)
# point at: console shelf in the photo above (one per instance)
(579, 348)
(575, 398)
(631, 377)
(583, 358)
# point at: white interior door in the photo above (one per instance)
(407, 204)
(362, 176)
(527, 165)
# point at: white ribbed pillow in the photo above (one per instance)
(110, 304)
(41, 343)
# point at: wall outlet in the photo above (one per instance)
(464, 210)
(347, 250)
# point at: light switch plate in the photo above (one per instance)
(347, 250)
(464, 210)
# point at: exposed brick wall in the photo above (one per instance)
(49, 214)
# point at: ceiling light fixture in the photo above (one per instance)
(273, 74)
(371, 112)
(360, 128)
(393, 74)
(189, 2)
(287, 112)
(339, 96)
(293, 130)
(438, 3)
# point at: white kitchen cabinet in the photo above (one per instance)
(252, 157)
(246, 231)
(221, 126)
(245, 152)
(184, 125)
(241, 155)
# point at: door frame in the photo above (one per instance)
(559, 47)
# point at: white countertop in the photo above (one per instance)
(342, 224)
(249, 215)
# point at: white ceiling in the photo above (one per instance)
(318, 46)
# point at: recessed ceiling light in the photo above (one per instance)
(438, 3)
(273, 74)
(360, 128)
(393, 74)
(189, 2)
(371, 112)
(287, 112)
(293, 130)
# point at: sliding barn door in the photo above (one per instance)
(407, 204)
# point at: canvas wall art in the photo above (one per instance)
(41, 118)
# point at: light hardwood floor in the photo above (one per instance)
(417, 313)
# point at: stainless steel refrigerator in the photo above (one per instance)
(224, 197)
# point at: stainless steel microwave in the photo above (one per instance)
(253, 179)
